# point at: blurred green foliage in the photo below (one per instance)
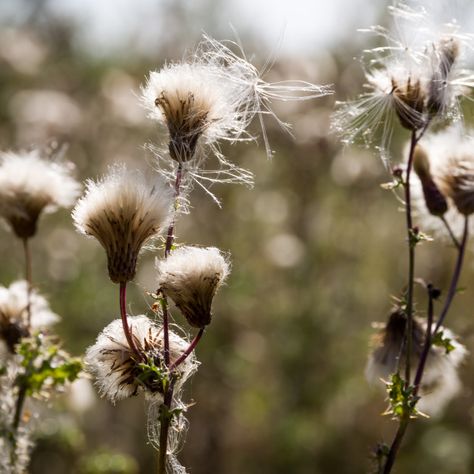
(318, 248)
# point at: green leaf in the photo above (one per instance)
(440, 341)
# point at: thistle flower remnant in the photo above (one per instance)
(123, 211)
(190, 276)
(30, 185)
(444, 166)
(212, 96)
(416, 81)
(118, 373)
(13, 313)
(193, 101)
(440, 380)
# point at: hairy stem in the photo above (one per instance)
(188, 351)
(123, 314)
(168, 395)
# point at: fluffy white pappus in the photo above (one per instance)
(417, 76)
(116, 369)
(190, 276)
(14, 313)
(30, 185)
(450, 155)
(440, 381)
(213, 95)
(123, 211)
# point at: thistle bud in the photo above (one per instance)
(123, 211)
(434, 199)
(190, 276)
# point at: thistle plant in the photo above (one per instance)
(209, 98)
(33, 363)
(418, 80)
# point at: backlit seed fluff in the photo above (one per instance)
(440, 381)
(193, 101)
(116, 369)
(450, 158)
(213, 95)
(190, 276)
(418, 74)
(14, 313)
(123, 211)
(30, 185)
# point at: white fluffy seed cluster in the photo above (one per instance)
(14, 313)
(211, 96)
(116, 369)
(123, 211)
(440, 378)
(30, 185)
(190, 276)
(418, 76)
(450, 158)
(193, 101)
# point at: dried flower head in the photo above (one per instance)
(417, 76)
(14, 313)
(123, 211)
(30, 185)
(440, 379)
(212, 96)
(119, 374)
(448, 172)
(190, 276)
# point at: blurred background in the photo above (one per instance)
(318, 247)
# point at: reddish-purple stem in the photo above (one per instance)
(123, 314)
(188, 351)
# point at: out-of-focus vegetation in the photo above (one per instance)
(317, 247)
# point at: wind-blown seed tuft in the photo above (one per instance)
(190, 276)
(123, 211)
(116, 369)
(416, 77)
(30, 185)
(210, 97)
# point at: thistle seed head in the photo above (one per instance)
(440, 381)
(14, 313)
(30, 185)
(117, 371)
(190, 276)
(123, 211)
